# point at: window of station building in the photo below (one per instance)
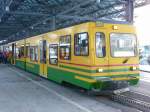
(53, 54)
(100, 45)
(65, 47)
(33, 53)
(81, 44)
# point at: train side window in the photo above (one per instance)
(65, 47)
(53, 54)
(28, 50)
(34, 53)
(81, 44)
(100, 45)
(20, 52)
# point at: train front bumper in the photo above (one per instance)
(105, 85)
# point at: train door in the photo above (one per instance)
(101, 55)
(43, 53)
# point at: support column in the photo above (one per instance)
(54, 23)
(2, 8)
(130, 11)
(54, 20)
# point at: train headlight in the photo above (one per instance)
(100, 70)
(115, 27)
(134, 68)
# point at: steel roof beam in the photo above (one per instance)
(67, 12)
(64, 12)
(10, 27)
(5, 4)
(27, 13)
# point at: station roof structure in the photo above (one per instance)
(24, 18)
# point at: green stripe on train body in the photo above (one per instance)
(62, 75)
(20, 64)
(59, 75)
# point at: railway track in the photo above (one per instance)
(132, 99)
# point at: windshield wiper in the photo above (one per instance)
(125, 61)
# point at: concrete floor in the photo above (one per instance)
(21, 91)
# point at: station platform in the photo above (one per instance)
(21, 91)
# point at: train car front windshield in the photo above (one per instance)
(123, 45)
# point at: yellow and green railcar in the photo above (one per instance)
(95, 56)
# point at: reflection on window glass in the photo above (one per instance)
(123, 45)
(100, 45)
(65, 47)
(81, 44)
(53, 54)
